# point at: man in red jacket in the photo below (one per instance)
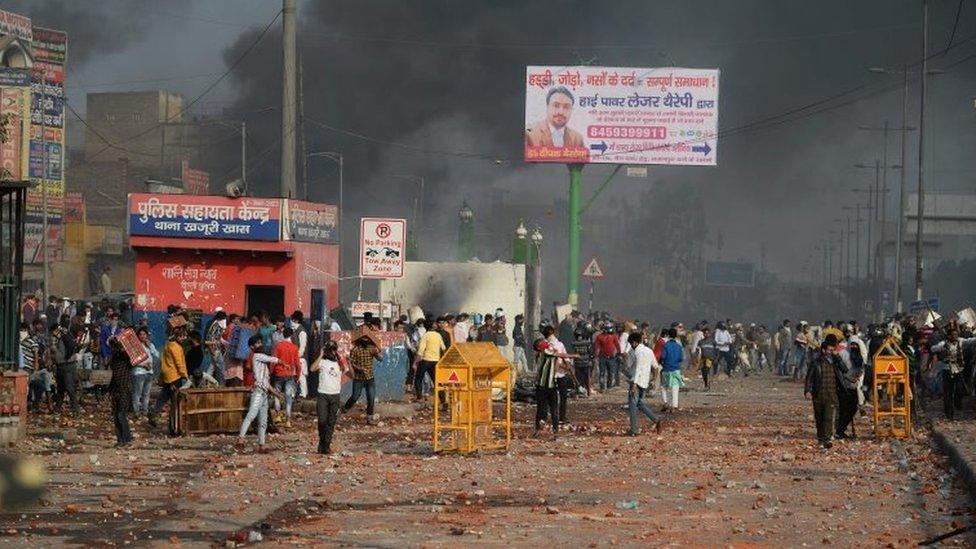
(607, 350)
(284, 375)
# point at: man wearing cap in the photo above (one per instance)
(823, 378)
(361, 356)
(802, 343)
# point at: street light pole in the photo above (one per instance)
(901, 194)
(337, 158)
(921, 153)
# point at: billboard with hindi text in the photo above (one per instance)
(621, 115)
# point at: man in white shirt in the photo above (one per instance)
(461, 328)
(259, 393)
(327, 402)
(300, 338)
(723, 344)
(641, 362)
(563, 383)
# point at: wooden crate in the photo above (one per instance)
(98, 377)
(210, 411)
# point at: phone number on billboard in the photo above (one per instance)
(628, 132)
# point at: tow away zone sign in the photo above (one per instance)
(382, 247)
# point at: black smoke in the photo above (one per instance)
(447, 77)
(95, 27)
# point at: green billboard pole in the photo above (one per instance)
(573, 270)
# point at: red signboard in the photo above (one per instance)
(74, 207)
(195, 181)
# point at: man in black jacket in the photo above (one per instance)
(823, 377)
(64, 356)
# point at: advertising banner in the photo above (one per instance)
(311, 222)
(74, 207)
(52, 162)
(50, 46)
(621, 115)
(14, 77)
(47, 87)
(13, 153)
(194, 181)
(55, 199)
(16, 25)
(382, 247)
(217, 217)
(33, 243)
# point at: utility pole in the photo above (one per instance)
(868, 221)
(921, 153)
(244, 156)
(903, 189)
(879, 264)
(901, 194)
(289, 95)
(857, 239)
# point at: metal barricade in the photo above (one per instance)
(891, 393)
(464, 381)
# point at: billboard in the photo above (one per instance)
(16, 25)
(74, 207)
(382, 247)
(46, 148)
(621, 115)
(213, 217)
(50, 46)
(311, 222)
(14, 103)
(723, 273)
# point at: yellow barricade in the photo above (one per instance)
(891, 393)
(464, 380)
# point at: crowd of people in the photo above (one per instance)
(279, 359)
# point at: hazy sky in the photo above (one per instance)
(403, 72)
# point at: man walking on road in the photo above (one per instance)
(723, 344)
(823, 378)
(640, 364)
(671, 378)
